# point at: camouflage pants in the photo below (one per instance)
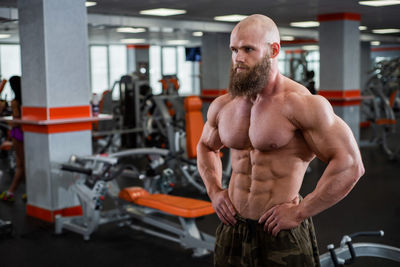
(247, 244)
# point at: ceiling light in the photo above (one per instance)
(162, 12)
(154, 29)
(375, 43)
(197, 34)
(287, 38)
(133, 41)
(380, 3)
(383, 31)
(4, 36)
(90, 3)
(362, 28)
(167, 29)
(130, 30)
(310, 47)
(230, 18)
(177, 42)
(305, 24)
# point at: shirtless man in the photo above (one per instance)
(274, 128)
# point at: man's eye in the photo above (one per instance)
(234, 50)
(248, 49)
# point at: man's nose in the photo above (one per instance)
(240, 57)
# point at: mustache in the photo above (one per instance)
(242, 66)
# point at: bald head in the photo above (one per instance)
(260, 25)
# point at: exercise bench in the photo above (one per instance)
(146, 205)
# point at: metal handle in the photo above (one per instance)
(369, 233)
(71, 168)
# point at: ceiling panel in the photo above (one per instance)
(282, 11)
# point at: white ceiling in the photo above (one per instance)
(282, 11)
(107, 14)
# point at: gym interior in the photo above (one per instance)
(114, 96)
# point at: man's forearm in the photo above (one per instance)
(210, 169)
(335, 183)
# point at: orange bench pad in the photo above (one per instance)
(179, 206)
(131, 193)
(194, 124)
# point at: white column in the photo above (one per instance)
(339, 41)
(215, 63)
(55, 86)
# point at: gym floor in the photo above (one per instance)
(372, 205)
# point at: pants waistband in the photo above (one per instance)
(251, 225)
(245, 220)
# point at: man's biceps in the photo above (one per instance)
(335, 144)
(210, 143)
(320, 144)
(208, 128)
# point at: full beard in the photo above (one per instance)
(249, 83)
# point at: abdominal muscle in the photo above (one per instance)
(262, 180)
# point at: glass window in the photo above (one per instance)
(169, 61)
(118, 66)
(312, 59)
(293, 61)
(172, 61)
(155, 68)
(185, 75)
(10, 65)
(196, 78)
(99, 69)
(281, 61)
(380, 58)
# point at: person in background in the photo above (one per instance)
(17, 137)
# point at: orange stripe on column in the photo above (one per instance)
(345, 103)
(48, 215)
(69, 112)
(34, 113)
(131, 46)
(208, 95)
(54, 113)
(300, 41)
(383, 49)
(342, 97)
(213, 92)
(339, 93)
(39, 119)
(296, 51)
(339, 16)
(57, 128)
(45, 215)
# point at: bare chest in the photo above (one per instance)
(254, 126)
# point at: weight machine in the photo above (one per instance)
(380, 100)
(348, 251)
(96, 180)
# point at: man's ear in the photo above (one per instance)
(275, 48)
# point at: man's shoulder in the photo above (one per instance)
(298, 99)
(216, 106)
(307, 109)
(294, 88)
(223, 98)
(297, 94)
(221, 101)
